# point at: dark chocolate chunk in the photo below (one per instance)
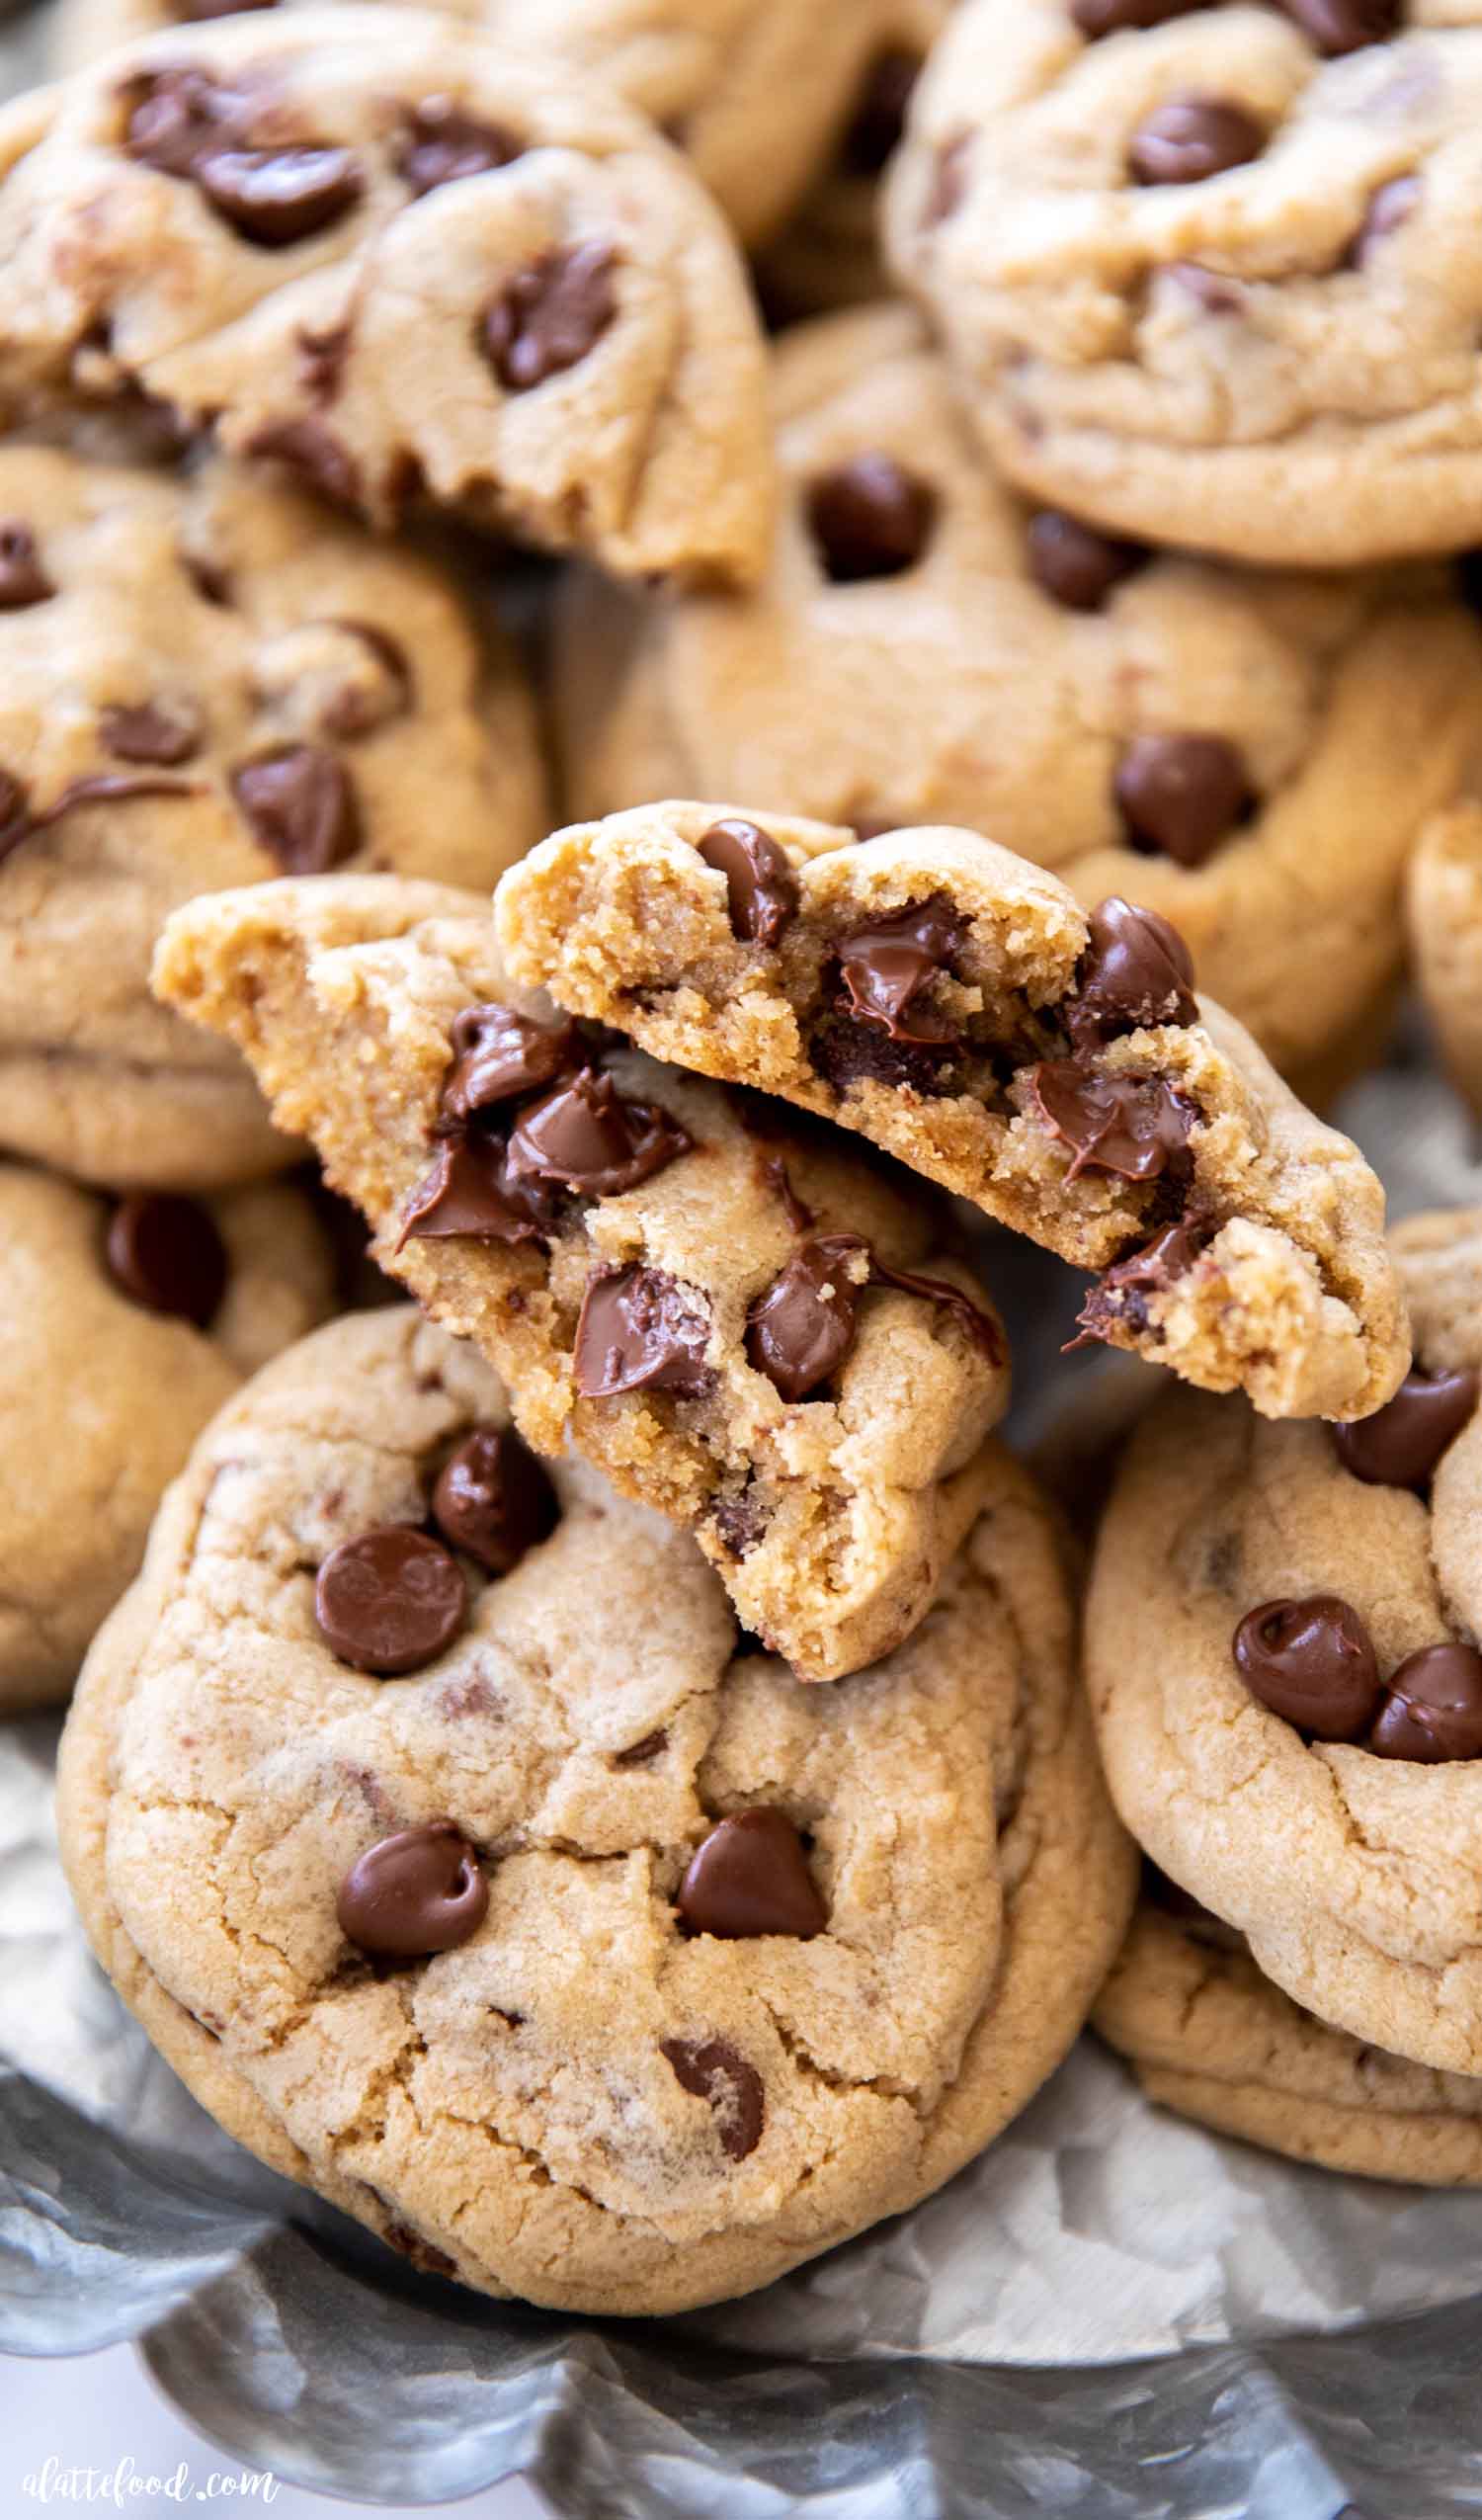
(494, 1500)
(1401, 1443)
(761, 887)
(803, 1328)
(469, 1191)
(301, 808)
(498, 1055)
(1136, 970)
(1346, 26)
(1075, 563)
(739, 1522)
(1311, 1662)
(870, 518)
(23, 580)
(1433, 1707)
(391, 1600)
(885, 968)
(1191, 138)
(442, 145)
(415, 1893)
(1182, 794)
(713, 2071)
(640, 1331)
(279, 197)
(1119, 1299)
(167, 731)
(586, 1137)
(310, 450)
(751, 1877)
(1137, 1126)
(168, 1255)
(549, 317)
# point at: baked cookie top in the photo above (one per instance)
(1185, 260)
(1252, 755)
(1280, 1648)
(751, 1328)
(170, 1302)
(204, 680)
(402, 260)
(582, 1953)
(960, 1008)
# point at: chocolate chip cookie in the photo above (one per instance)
(123, 1325)
(749, 1327)
(1281, 1650)
(428, 1810)
(1185, 262)
(400, 259)
(960, 1009)
(1445, 908)
(1209, 2037)
(1250, 755)
(203, 682)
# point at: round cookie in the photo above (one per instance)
(205, 681)
(1185, 261)
(924, 648)
(1443, 902)
(1208, 2036)
(1280, 1648)
(121, 1328)
(405, 261)
(693, 1972)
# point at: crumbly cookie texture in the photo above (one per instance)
(594, 2099)
(1209, 2037)
(830, 1511)
(1353, 1875)
(1443, 903)
(204, 680)
(755, 92)
(925, 648)
(401, 260)
(1280, 1283)
(84, 1460)
(1186, 270)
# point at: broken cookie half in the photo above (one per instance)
(747, 1325)
(959, 1007)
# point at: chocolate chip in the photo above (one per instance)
(1182, 794)
(739, 1522)
(167, 731)
(312, 452)
(167, 1254)
(549, 317)
(761, 887)
(199, 13)
(1346, 26)
(751, 1877)
(948, 188)
(415, 1893)
(641, 1754)
(870, 518)
(1388, 209)
(980, 1326)
(442, 145)
(803, 1328)
(499, 1054)
(493, 1500)
(713, 2071)
(391, 1600)
(1191, 138)
(878, 121)
(1401, 1443)
(301, 808)
(1096, 18)
(177, 116)
(586, 1137)
(1433, 1707)
(276, 197)
(640, 1331)
(1137, 1126)
(885, 967)
(23, 580)
(469, 1191)
(1075, 563)
(1136, 970)
(1120, 1297)
(780, 1182)
(1311, 1662)
(846, 1054)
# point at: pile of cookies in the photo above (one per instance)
(588, 1768)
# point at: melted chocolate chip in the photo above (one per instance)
(415, 1893)
(493, 1500)
(23, 580)
(166, 1253)
(885, 967)
(274, 198)
(306, 447)
(1077, 566)
(803, 1328)
(1193, 137)
(1135, 1127)
(586, 1137)
(549, 317)
(870, 518)
(751, 1877)
(761, 887)
(391, 1600)
(1401, 1443)
(1119, 1300)
(640, 1331)
(1096, 18)
(1182, 794)
(469, 1191)
(177, 116)
(1388, 209)
(1136, 970)
(167, 731)
(1346, 26)
(498, 1055)
(1311, 1662)
(876, 126)
(714, 2071)
(844, 1054)
(780, 1181)
(442, 145)
(301, 808)
(1433, 1707)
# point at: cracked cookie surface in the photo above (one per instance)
(1186, 269)
(593, 2099)
(205, 681)
(750, 1328)
(925, 648)
(1316, 1783)
(401, 260)
(103, 1392)
(925, 987)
